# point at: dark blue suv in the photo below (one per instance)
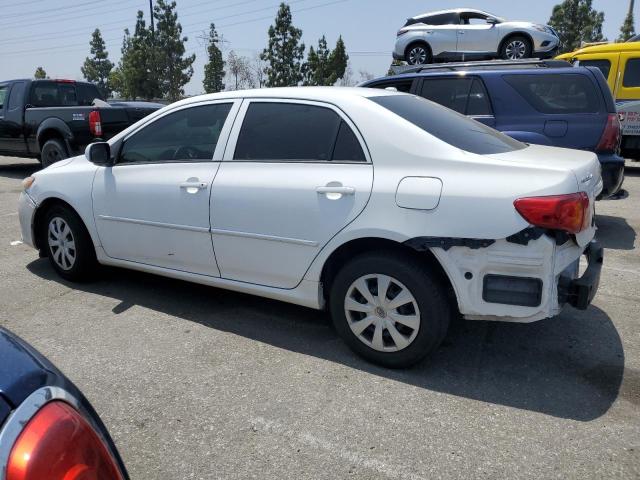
(540, 102)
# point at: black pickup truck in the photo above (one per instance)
(55, 119)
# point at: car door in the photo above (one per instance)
(152, 206)
(12, 138)
(294, 174)
(476, 36)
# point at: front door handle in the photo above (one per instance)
(194, 185)
(336, 189)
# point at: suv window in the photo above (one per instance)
(295, 132)
(87, 93)
(188, 135)
(464, 95)
(557, 93)
(53, 94)
(17, 96)
(449, 126)
(603, 65)
(441, 19)
(3, 94)
(399, 85)
(632, 73)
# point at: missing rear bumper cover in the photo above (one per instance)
(422, 244)
(509, 290)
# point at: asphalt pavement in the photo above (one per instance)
(200, 383)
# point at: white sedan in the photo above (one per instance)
(390, 211)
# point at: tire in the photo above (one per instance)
(53, 151)
(418, 54)
(68, 244)
(424, 316)
(516, 48)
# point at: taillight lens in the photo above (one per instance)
(95, 123)
(569, 213)
(59, 444)
(610, 140)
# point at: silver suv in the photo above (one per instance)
(467, 34)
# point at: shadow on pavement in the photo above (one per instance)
(615, 232)
(19, 170)
(569, 367)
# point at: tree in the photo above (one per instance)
(214, 69)
(317, 70)
(240, 71)
(97, 68)
(174, 69)
(347, 79)
(627, 31)
(338, 61)
(576, 22)
(284, 52)
(258, 66)
(40, 73)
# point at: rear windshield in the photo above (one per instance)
(557, 93)
(449, 126)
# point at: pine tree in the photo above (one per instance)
(338, 61)
(97, 68)
(174, 69)
(627, 31)
(284, 53)
(40, 73)
(214, 69)
(317, 70)
(576, 22)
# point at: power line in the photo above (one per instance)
(57, 9)
(22, 4)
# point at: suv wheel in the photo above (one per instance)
(389, 309)
(418, 54)
(69, 246)
(516, 48)
(53, 151)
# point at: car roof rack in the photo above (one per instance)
(480, 65)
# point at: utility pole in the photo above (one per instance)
(151, 14)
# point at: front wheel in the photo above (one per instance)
(390, 309)
(516, 48)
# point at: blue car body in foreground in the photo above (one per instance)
(28, 382)
(562, 107)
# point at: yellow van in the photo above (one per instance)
(618, 62)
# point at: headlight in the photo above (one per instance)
(27, 182)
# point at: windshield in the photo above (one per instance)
(449, 126)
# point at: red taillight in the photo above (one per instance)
(95, 124)
(557, 212)
(610, 140)
(59, 444)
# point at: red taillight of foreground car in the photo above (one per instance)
(610, 139)
(95, 123)
(59, 444)
(569, 213)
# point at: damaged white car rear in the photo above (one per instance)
(390, 211)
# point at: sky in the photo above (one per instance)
(55, 34)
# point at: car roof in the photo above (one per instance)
(292, 93)
(604, 48)
(451, 10)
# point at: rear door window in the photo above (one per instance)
(478, 103)
(449, 126)
(17, 96)
(295, 132)
(557, 93)
(3, 95)
(54, 94)
(440, 19)
(632, 73)
(449, 92)
(603, 65)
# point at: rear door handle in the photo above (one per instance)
(197, 185)
(339, 190)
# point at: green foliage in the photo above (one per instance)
(284, 52)
(576, 22)
(324, 66)
(172, 68)
(214, 69)
(40, 73)
(627, 31)
(338, 61)
(97, 68)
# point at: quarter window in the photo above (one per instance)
(295, 132)
(557, 93)
(187, 135)
(632, 73)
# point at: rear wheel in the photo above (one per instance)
(418, 54)
(389, 309)
(53, 151)
(516, 48)
(69, 246)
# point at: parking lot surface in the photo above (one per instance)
(196, 382)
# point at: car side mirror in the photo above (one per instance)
(492, 20)
(99, 153)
